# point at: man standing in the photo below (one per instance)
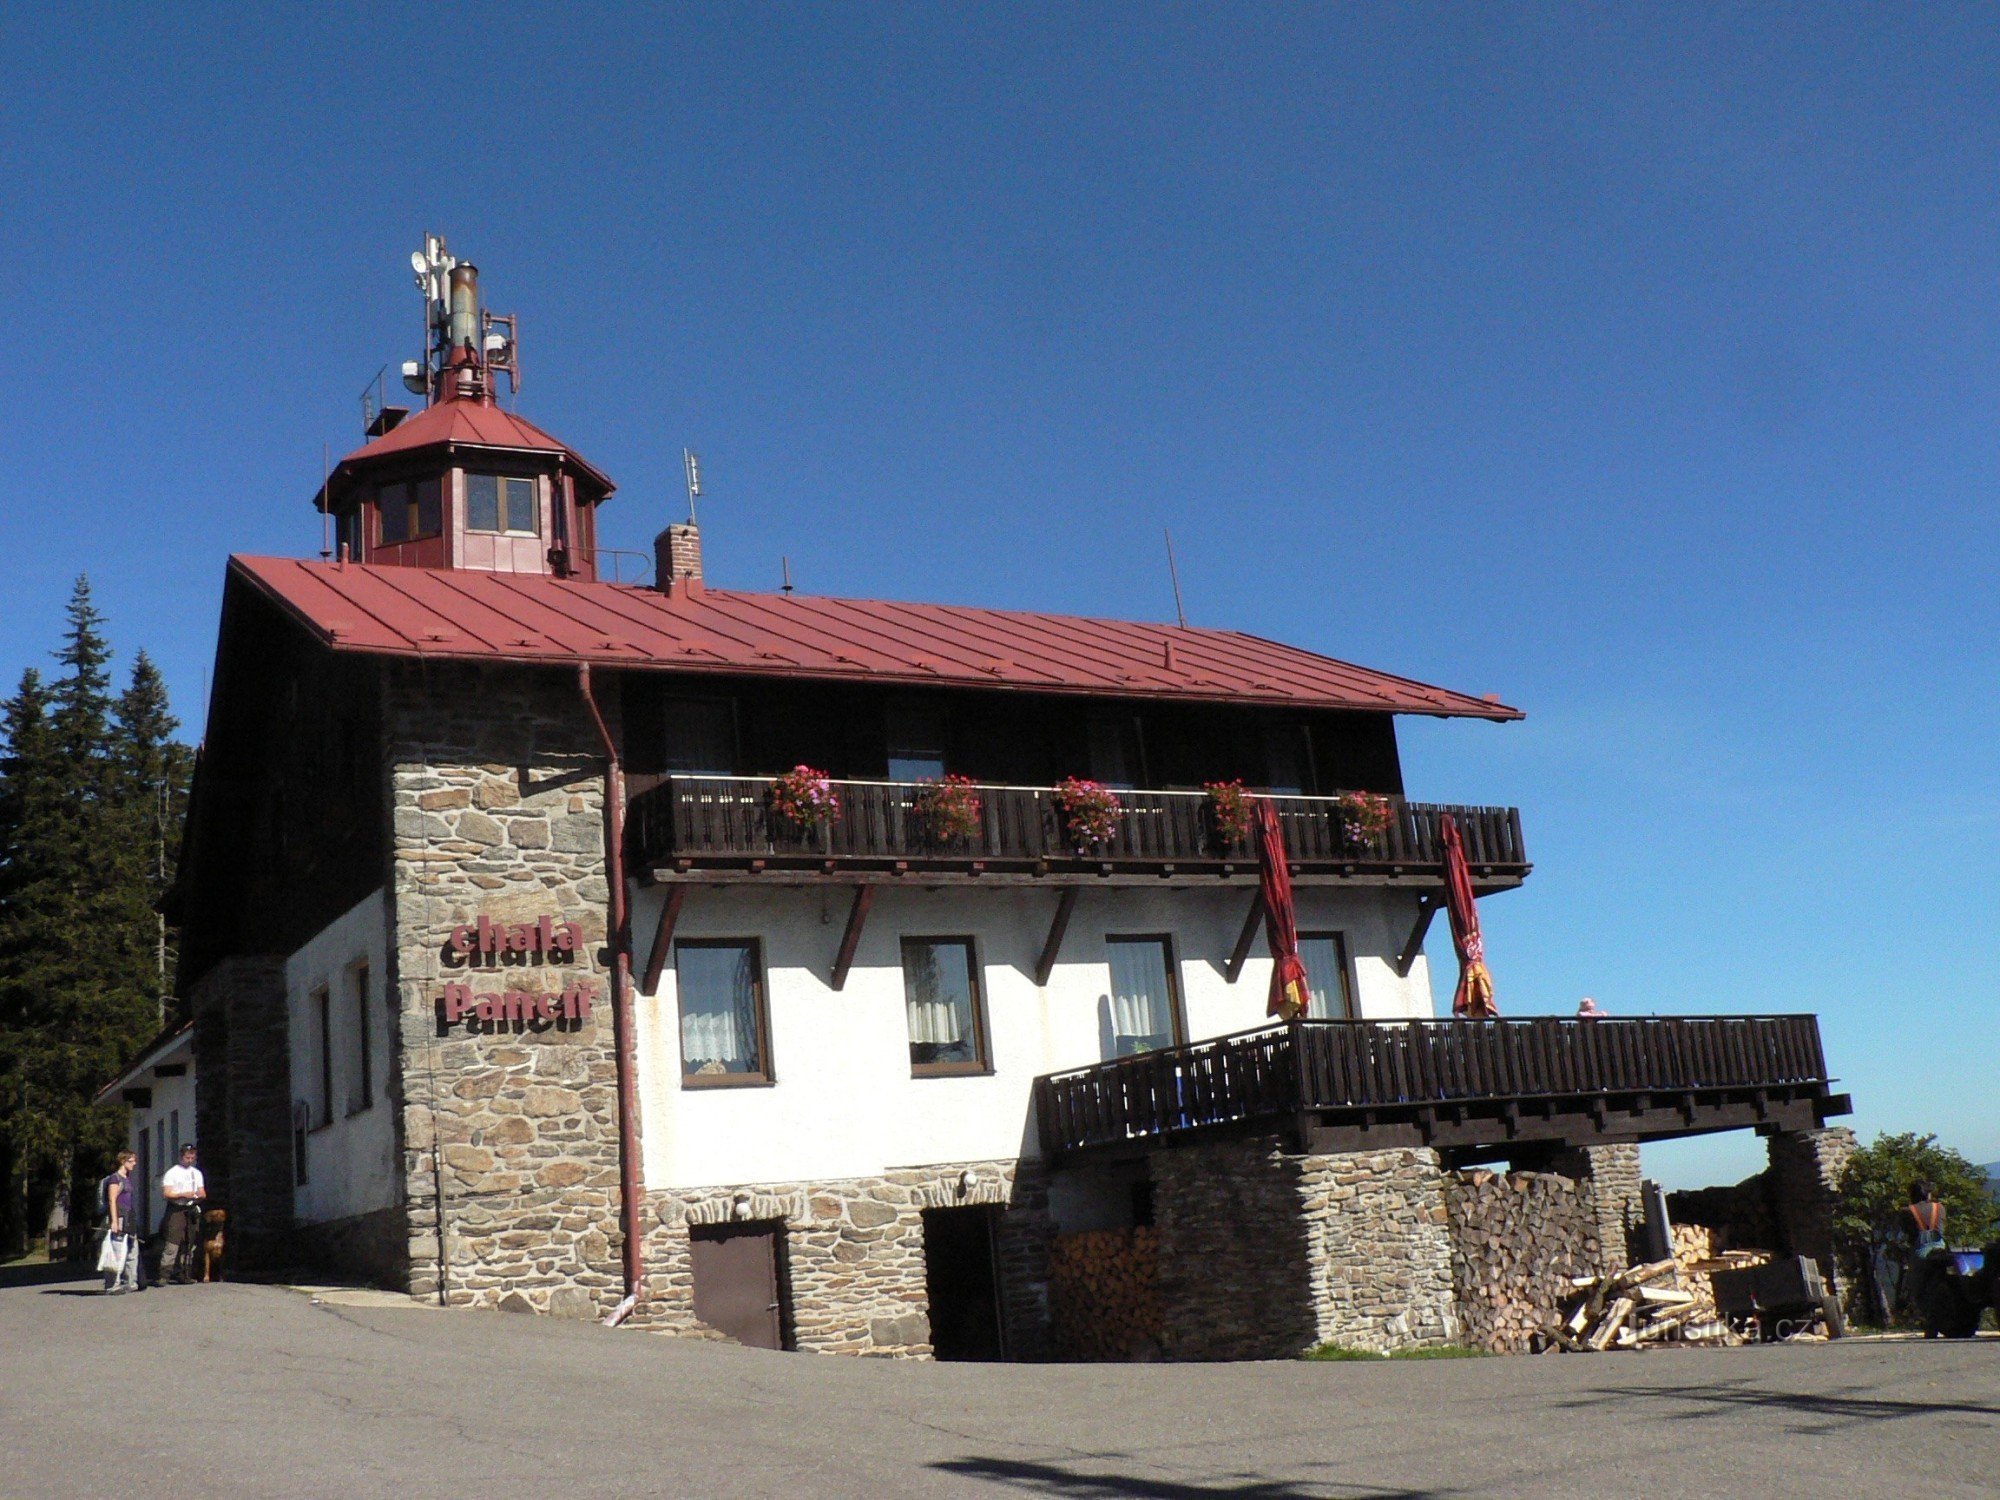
(184, 1190)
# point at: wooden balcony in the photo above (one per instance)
(721, 827)
(1477, 1088)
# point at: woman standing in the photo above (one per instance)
(121, 1226)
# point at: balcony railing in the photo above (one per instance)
(727, 821)
(1452, 1082)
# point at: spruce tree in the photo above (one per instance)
(29, 793)
(89, 789)
(148, 784)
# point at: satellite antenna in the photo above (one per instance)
(691, 461)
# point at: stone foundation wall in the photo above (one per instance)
(1263, 1255)
(1516, 1240)
(1786, 1209)
(1739, 1216)
(497, 790)
(1806, 1167)
(373, 1247)
(243, 1104)
(854, 1254)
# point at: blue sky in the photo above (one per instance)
(1635, 364)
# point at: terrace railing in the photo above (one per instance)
(722, 820)
(1413, 1069)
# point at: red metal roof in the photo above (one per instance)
(515, 617)
(467, 423)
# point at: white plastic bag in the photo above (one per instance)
(111, 1255)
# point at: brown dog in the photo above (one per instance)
(212, 1237)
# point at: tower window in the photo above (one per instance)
(409, 511)
(495, 503)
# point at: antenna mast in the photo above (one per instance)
(691, 461)
(1175, 574)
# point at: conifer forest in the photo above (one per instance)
(93, 791)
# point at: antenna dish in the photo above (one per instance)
(419, 262)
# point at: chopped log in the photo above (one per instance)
(1600, 1339)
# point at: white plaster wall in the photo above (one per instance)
(350, 1164)
(844, 1103)
(170, 1095)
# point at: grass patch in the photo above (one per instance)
(1441, 1351)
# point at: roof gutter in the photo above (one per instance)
(624, 1042)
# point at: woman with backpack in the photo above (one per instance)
(119, 1259)
(1926, 1230)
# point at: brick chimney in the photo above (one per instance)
(677, 558)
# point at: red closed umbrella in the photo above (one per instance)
(1474, 996)
(1289, 994)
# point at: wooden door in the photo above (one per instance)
(736, 1282)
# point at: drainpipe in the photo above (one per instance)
(621, 1003)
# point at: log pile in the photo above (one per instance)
(1517, 1241)
(1638, 1307)
(1697, 1253)
(1105, 1295)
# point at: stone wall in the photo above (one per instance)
(1263, 1255)
(854, 1253)
(1738, 1216)
(243, 1110)
(497, 795)
(1786, 1209)
(1805, 1178)
(373, 1247)
(1516, 1240)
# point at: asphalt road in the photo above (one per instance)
(257, 1390)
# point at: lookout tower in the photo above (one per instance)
(463, 483)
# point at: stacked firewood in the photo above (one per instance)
(1641, 1306)
(1697, 1253)
(1516, 1240)
(1105, 1293)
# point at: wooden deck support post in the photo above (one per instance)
(1240, 954)
(663, 938)
(857, 918)
(1427, 907)
(1046, 964)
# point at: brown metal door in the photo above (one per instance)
(736, 1282)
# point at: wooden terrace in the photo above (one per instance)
(722, 828)
(1474, 1089)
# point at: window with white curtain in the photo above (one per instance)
(721, 985)
(1145, 1002)
(1325, 956)
(941, 998)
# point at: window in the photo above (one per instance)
(1325, 956)
(408, 510)
(701, 736)
(723, 1025)
(1117, 752)
(348, 534)
(1145, 1001)
(363, 1094)
(916, 743)
(941, 997)
(322, 1013)
(145, 1175)
(495, 503)
(174, 1126)
(392, 501)
(1286, 758)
